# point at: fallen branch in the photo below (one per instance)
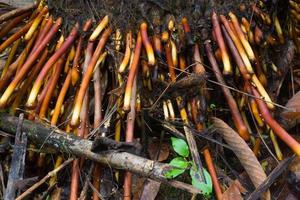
(69, 143)
(18, 160)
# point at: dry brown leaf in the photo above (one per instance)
(153, 148)
(243, 153)
(234, 191)
(150, 190)
(293, 111)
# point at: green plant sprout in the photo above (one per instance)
(183, 162)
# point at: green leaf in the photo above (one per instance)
(180, 146)
(206, 188)
(212, 106)
(180, 163)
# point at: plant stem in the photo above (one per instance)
(238, 121)
(87, 76)
(38, 82)
(30, 60)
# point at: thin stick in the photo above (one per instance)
(42, 95)
(60, 99)
(174, 53)
(206, 153)
(26, 51)
(275, 145)
(278, 30)
(43, 180)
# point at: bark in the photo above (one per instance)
(69, 143)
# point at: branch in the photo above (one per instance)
(69, 143)
(18, 160)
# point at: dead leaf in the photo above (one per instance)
(242, 151)
(293, 108)
(150, 190)
(234, 191)
(153, 149)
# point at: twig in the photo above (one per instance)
(43, 180)
(271, 178)
(85, 187)
(2, 180)
(18, 161)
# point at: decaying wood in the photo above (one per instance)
(271, 178)
(194, 152)
(68, 143)
(17, 162)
